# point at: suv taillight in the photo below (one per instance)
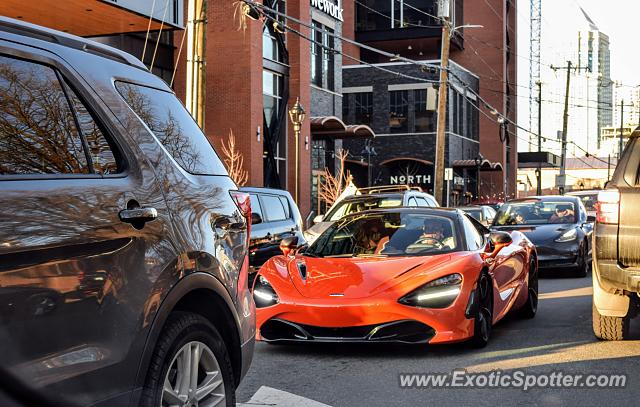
(243, 202)
(608, 206)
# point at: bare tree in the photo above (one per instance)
(234, 161)
(333, 186)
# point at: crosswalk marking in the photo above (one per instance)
(267, 396)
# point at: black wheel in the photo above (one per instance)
(483, 319)
(190, 366)
(531, 306)
(583, 266)
(609, 328)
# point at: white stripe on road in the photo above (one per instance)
(267, 396)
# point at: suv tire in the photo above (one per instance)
(583, 266)
(609, 328)
(188, 334)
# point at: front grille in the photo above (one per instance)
(406, 331)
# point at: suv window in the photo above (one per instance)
(285, 204)
(412, 202)
(38, 131)
(172, 125)
(273, 208)
(255, 206)
(421, 201)
(102, 157)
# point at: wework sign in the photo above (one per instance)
(329, 7)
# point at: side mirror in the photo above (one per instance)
(497, 241)
(255, 218)
(318, 219)
(500, 238)
(591, 219)
(288, 244)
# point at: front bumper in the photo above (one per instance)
(558, 255)
(364, 320)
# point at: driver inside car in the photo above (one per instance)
(437, 233)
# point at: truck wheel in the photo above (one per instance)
(610, 328)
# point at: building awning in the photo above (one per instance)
(88, 18)
(333, 127)
(485, 165)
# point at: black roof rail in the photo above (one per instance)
(46, 34)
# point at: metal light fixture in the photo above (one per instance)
(297, 116)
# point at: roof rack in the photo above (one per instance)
(19, 27)
(388, 188)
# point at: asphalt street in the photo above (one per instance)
(559, 339)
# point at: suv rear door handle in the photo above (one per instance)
(138, 215)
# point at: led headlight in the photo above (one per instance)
(568, 236)
(439, 293)
(263, 294)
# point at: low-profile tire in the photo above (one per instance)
(530, 308)
(187, 338)
(483, 318)
(610, 328)
(583, 266)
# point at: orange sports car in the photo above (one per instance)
(412, 275)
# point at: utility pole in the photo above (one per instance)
(561, 180)
(443, 14)
(196, 35)
(539, 174)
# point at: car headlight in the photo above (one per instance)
(568, 236)
(439, 293)
(263, 294)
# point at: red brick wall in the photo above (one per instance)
(300, 87)
(491, 66)
(348, 31)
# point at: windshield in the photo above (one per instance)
(535, 213)
(359, 205)
(386, 234)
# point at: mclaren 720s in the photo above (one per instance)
(411, 275)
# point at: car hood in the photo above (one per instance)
(538, 234)
(355, 277)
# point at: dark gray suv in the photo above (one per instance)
(123, 241)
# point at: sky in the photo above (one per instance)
(561, 20)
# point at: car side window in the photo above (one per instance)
(255, 206)
(475, 240)
(431, 202)
(285, 205)
(38, 130)
(421, 201)
(412, 202)
(273, 208)
(172, 125)
(102, 156)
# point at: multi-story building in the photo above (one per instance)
(402, 110)
(591, 88)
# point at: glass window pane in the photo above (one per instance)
(398, 111)
(170, 122)
(425, 118)
(38, 133)
(102, 157)
(285, 205)
(363, 108)
(255, 205)
(273, 208)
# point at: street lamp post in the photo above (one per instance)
(478, 161)
(369, 150)
(297, 115)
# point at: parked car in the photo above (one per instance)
(483, 214)
(557, 225)
(274, 216)
(495, 204)
(391, 196)
(616, 258)
(411, 275)
(589, 200)
(123, 241)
